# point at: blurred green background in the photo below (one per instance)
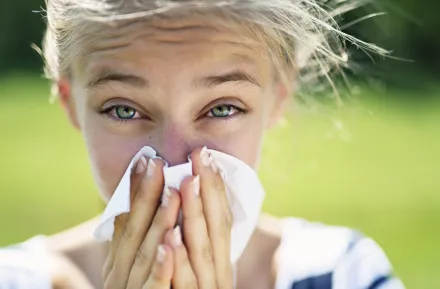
(373, 165)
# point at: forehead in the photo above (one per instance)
(175, 43)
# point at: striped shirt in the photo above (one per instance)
(316, 256)
(311, 256)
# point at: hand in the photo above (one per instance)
(203, 259)
(136, 258)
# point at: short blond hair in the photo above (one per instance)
(302, 33)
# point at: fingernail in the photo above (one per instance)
(150, 169)
(177, 234)
(166, 196)
(204, 157)
(213, 164)
(161, 254)
(196, 186)
(141, 165)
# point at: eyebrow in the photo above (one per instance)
(235, 76)
(107, 76)
(137, 81)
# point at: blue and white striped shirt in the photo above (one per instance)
(316, 256)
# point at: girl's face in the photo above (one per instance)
(174, 86)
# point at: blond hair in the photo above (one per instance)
(302, 33)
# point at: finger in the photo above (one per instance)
(119, 225)
(196, 234)
(164, 220)
(136, 176)
(162, 270)
(183, 275)
(137, 173)
(213, 191)
(138, 221)
(217, 214)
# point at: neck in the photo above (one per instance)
(255, 269)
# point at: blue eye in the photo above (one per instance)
(124, 112)
(121, 112)
(222, 111)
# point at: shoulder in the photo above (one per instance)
(24, 265)
(68, 259)
(314, 255)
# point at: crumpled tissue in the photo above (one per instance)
(243, 188)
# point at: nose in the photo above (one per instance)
(174, 143)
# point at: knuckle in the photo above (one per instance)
(141, 194)
(206, 254)
(120, 220)
(145, 195)
(155, 281)
(228, 220)
(199, 212)
(144, 190)
(195, 214)
(159, 220)
(192, 284)
(215, 184)
(128, 231)
(162, 221)
(142, 257)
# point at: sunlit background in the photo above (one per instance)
(373, 165)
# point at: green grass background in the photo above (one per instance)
(373, 166)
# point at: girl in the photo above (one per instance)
(179, 76)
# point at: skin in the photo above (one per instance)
(172, 77)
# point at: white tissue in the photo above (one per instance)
(244, 191)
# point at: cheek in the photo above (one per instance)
(246, 143)
(110, 156)
(248, 148)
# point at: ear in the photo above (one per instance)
(283, 94)
(65, 93)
